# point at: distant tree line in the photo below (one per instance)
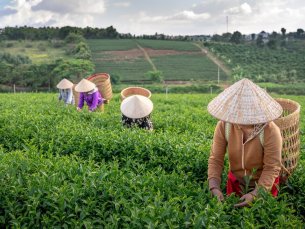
(262, 39)
(48, 33)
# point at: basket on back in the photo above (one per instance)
(289, 126)
(75, 95)
(102, 82)
(135, 91)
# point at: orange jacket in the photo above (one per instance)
(244, 157)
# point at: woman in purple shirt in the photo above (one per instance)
(89, 94)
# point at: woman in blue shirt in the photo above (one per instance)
(65, 91)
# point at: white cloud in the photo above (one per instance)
(121, 4)
(244, 8)
(53, 13)
(71, 6)
(184, 16)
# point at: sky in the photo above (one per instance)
(170, 17)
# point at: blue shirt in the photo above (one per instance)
(66, 95)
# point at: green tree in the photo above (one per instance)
(74, 38)
(74, 69)
(236, 37)
(300, 33)
(155, 76)
(283, 30)
(259, 41)
(82, 51)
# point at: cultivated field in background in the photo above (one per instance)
(177, 60)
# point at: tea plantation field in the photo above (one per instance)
(62, 168)
(177, 60)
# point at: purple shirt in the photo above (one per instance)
(93, 100)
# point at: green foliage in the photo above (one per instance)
(185, 61)
(74, 38)
(238, 73)
(272, 43)
(155, 76)
(168, 45)
(98, 46)
(115, 78)
(14, 59)
(82, 51)
(62, 168)
(264, 64)
(259, 41)
(236, 37)
(73, 69)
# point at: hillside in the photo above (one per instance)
(132, 59)
(280, 65)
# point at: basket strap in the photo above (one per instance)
(286, 170)
(261, 138)
(228, 130)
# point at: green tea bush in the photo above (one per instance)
(62, 168)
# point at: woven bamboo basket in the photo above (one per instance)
(129, 91)
(103, 83)
(289, 126)
(75, 95)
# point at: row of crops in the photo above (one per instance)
(264, 61)
(62, 168)
(187, 63)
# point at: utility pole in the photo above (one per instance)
(218, 76)
(227, 19)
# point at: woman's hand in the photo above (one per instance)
(247, 199)
(78, 109)
(216, 192)
(214, 186)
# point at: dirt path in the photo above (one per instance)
(213, 58)
(147, 57)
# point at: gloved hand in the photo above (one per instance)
(214, 187)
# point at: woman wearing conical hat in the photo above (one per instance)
(247, 132)
(136, 110)
(65, 91)
(89, 94)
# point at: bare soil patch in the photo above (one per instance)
(137, 53)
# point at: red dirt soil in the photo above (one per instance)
(137, 53)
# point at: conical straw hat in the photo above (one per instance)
(64, 84)
(245, 103)
(84, 86)
(136, 106)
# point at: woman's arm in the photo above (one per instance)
(272, 156)
(81, 100)
(216, 160)
(70, 97)
(94, 103)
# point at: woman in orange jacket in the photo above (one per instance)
(247, 131)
